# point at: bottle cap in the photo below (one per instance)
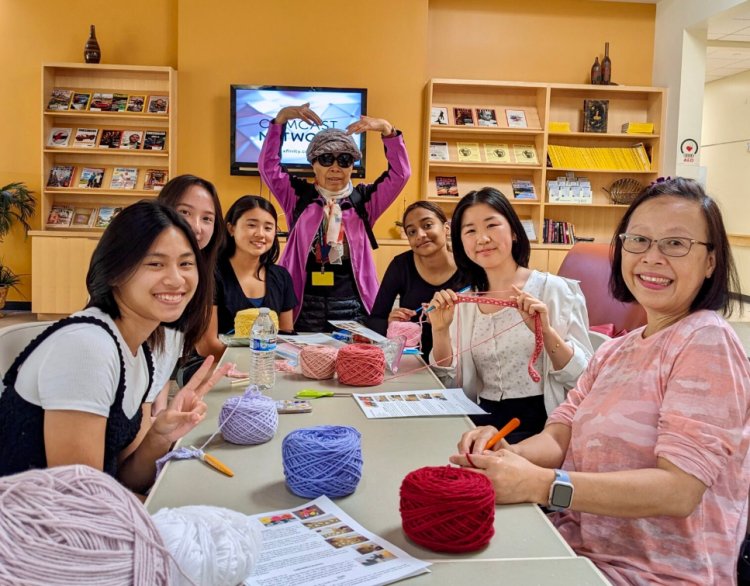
(263, 311)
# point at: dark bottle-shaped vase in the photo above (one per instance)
(91, 51)
(596, 72)
(606, 66)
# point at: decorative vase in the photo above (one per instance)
(91, 51)
(606, 66)
(596, 72)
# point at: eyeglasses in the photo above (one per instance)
(344, 160)
(669, 245)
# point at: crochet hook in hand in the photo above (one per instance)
(431, 307)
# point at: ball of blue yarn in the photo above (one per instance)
(249, 419)
(322, 460)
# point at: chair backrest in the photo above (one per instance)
(13, 339)
(597, 339)
(589, 263)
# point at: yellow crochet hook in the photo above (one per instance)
(311, 394)
(215, 463)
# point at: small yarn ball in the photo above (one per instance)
(249, 419)
(322, 460)
(361, 365)
(448, 509)
(412, 331)
(212, 546)
(76, 525)
(318, 362)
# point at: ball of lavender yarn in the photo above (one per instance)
(249, 419)
(76, 525)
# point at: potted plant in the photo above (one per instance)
(17, 204)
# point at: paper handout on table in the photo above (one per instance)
(434, 403)
(318, 544)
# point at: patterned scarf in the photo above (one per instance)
(334, 229)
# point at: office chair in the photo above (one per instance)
(13, 339)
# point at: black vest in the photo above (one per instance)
(22, 423)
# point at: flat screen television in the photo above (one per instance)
(254, 106)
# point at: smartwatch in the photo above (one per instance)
(560, 492)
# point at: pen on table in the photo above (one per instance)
(215, 463)
(431, 307)
(504, 430)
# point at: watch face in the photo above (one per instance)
(562, 496)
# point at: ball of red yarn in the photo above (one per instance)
(360, 365)
(318, 362)
(448, 509)
(410, 330)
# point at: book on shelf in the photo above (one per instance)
(124, 178)
(638, 128)
(105, 215)
(59, 137)
(633, 158)
(154, 140)
(595, 115)
(468, 152)
(85, 138)
(486, 117)
(529, 229)
(516, 118)
(525, 154)
(559, 126)
(110, 139)
(61, 176)
(439, 115)
(158, 104)
(447, 186)
(555, 232)
(136, 103)
(155, 179)
(523, 189)
(101, 102)
(439, 151)
(91, 178)
(119, 102)
(131, 139)
(497, 153)
(83, 217)
(60, 100)
(463, 116)
(80, 101)
(60, 216)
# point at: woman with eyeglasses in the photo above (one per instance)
(647, 460)
(329, 250)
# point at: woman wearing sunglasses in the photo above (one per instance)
(647, 459)
(328, 253)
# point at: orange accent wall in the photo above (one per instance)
(392, 47)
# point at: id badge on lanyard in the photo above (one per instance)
(322, 278)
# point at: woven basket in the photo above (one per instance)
(624, 191)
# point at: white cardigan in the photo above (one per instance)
(567, 315)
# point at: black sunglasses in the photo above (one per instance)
(344, 160)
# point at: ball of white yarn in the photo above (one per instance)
(213, 546)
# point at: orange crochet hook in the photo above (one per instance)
(215, 463)
(505, 430)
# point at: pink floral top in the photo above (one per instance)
(681, 394)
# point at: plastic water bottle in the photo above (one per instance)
(263, 351)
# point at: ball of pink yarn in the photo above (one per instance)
(318, 362)
(76, 525)
(249, 419)
(410, 330)
(361, 365)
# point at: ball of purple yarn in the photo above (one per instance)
(322, 460)
(249, 419)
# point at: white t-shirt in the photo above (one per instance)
(166, 359)
(77, 368)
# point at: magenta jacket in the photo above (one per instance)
(286, 189)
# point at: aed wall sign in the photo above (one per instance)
(689, 151)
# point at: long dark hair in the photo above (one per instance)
(242, 205)
(123, 246)
(171, 195)
(714, 292)
(521, 249)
